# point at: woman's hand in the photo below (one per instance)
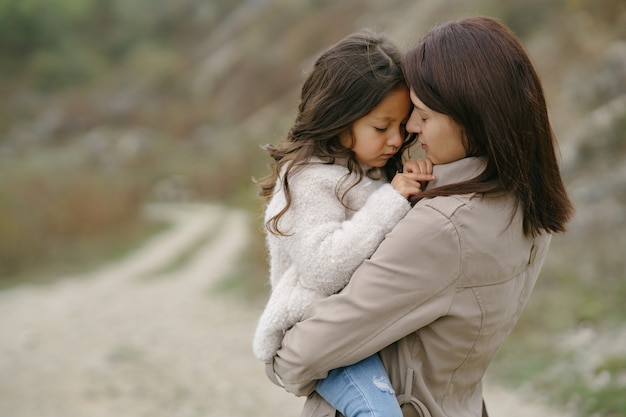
(414, 177)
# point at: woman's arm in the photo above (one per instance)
(408, 283)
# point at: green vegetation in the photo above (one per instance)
(568, 302)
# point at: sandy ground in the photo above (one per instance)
(128, 341)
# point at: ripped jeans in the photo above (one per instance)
(360, 390)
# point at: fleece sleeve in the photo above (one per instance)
(326, 246)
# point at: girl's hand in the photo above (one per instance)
(416, 175)
(418, 166)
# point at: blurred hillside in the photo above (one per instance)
(106, 106)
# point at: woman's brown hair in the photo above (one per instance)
(346, 82)
(477, 72)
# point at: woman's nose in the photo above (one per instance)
(412, 125)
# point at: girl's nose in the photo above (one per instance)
(397, 139)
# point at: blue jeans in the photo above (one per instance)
(360, 390)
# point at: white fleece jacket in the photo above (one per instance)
(323, 245)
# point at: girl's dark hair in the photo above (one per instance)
(346, 82)
(477, 72)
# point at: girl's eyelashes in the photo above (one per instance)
(380, 129)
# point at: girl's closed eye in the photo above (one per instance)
(380, 129)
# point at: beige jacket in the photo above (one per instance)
(437, 299)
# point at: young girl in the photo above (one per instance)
(330, 203)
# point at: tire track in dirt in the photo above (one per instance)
(118, 342)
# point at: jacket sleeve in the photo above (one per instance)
(325, 246)
(409, 282)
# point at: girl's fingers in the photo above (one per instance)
(420, 177)
(418, 166)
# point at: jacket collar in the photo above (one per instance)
(457, 171)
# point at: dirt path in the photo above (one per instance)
(128, 341)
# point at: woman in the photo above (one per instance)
(447, 285)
